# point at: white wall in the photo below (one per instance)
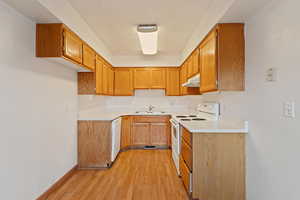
(272, 40)
(38, 107)
(139, 102)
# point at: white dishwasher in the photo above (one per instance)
(116, 138)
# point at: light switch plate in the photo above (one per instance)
(271, 75)
(289, 109)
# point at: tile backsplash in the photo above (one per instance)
(139, 102)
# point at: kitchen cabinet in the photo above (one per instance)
(149, 78)
(173, 82)
(214, 158)
(99, 76)
(183, 78)
(123, 82)
(142, 78)
(111, 78)
(159, 134)
(222, 59)
(151, 130)
(58, 42)
(208, 56)
(89, 57)
(72, 46)
(126, 132)
(196, 63)
(158, 78)
(94, 144)
(141, 133)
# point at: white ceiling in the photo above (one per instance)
(115, 21)
(110, 25)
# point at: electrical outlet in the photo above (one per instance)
(289, 109)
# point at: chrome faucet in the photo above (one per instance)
(150, 108)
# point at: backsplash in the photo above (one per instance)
(139, 102)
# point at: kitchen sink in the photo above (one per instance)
(150, 113)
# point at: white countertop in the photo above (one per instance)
(219, 126)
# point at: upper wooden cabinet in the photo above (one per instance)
(58, 41)
(208, 56)
(142, 78)
(123, 82)
(222, 59)
(72, 46)
(104, 78)
(158, 78)
(173, 82)
(111, 77)
(183, 78)
(149, 78)
(99, 76)
(89, 57)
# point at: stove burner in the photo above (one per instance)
(181, 116)
(185, 119)
(198, 119)
(192, 115)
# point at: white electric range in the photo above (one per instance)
(205, 111)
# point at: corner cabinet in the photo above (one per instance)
(222, 59)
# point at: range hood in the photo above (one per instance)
(192, 82)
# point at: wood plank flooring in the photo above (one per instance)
(136, 175)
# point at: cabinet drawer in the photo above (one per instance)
(187, 136)
(187, 155)
(151, 119)
(186, 175)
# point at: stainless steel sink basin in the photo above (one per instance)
(150, 113)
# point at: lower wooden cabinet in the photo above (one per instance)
(141, 134)
(94, 144)
(212, 165)
(150, 130)
(126, 131)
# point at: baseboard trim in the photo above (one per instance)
(58, 183)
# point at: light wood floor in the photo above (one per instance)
(136, 175)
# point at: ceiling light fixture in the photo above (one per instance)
(148, 35)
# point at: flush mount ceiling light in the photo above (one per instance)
(148, 34)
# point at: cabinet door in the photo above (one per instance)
(141, 134)
(190, 67)
(72, 46)
(126, 131)
(173, 82)
(89, 57)
(208, 68)
(142, 78)
(158, 78)
(183, 79)
(158, 134)
(123, 82)
(111, 78)
(196, 62)
(94, 144)
(99, 76)
(105, 79)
